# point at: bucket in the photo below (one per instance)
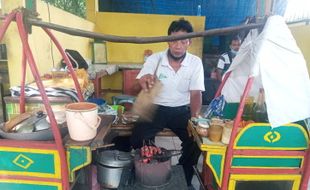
(82, 120)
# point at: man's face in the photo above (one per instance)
(179, 47)
(235, 45)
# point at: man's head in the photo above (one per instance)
(235, 44)
(178, 27)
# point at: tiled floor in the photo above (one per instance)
(175, 143)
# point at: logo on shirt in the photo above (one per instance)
(162, 76)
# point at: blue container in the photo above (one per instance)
(98, 101)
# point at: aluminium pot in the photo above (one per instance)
(110, 165)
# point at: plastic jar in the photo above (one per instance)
(216, 130)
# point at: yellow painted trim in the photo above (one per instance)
(88, 160)
(266, 177)
(276, 133)
(34, 182)
(15, 161)
(57, 173)
(209, 147)
(269, 148)
(221, 152)
(218, 151)
(231, 184)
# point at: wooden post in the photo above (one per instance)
(138, 40)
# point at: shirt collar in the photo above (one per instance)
(166, 62)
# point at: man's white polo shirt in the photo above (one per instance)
(176, 85)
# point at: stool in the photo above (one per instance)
(120, 99)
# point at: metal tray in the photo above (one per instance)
(42, 135)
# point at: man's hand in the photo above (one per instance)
(147, 82)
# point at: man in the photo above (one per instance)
(226, 59)
(181, 74)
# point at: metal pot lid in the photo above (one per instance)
(114, 158)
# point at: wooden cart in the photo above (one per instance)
(44, 165)
(258, 154)
(262, 154)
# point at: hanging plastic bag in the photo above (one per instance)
(215, 108)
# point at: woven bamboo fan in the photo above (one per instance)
(144, 106)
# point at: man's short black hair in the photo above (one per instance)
(235, 38)
(180, 25)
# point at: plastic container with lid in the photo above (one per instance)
(202, 128)
(227, 129)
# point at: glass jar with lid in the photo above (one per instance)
(248, 109)
(202, 128)
(216, 129)
(227, 129)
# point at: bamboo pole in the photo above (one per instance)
(134, 39)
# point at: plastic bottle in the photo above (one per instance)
(260, 109)
(199, 10)
(248, 109)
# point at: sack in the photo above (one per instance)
(143, 106)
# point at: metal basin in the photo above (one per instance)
(41, 135)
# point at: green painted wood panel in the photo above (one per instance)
(27, 162)
(14, 186)
(267, 162)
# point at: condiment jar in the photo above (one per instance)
(227, 129)
(248, 108)
(216, 129)
(202, 129)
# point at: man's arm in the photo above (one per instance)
(195, 102)
(146, 77)
(220, 67)
(218, 73)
